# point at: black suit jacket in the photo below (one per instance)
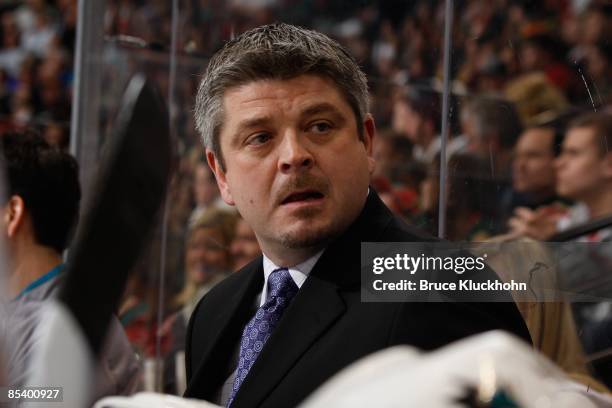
(326, 327)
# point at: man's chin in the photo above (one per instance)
(309, 236)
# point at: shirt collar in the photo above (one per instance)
(50, 275)
(298, 273)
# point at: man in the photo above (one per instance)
(283, 114)
(584, 170)
(584, 175)
(42, 207)
(533, 172)
(533, 166)
(491, 128)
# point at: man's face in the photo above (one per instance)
(245, 247)
(204, 188)
(205, 255)
(534, 162)
(295, 166)
(475, 144)
(581, 168)
(406, 121)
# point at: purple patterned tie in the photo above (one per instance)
(281, 289)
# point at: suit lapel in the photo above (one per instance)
(314, 309)
(223, 331)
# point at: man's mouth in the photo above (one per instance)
(302, 196)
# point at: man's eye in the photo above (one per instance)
(259, 139)
(320, 127)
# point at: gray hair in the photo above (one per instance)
(276, 51)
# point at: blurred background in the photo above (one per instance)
(528, 79)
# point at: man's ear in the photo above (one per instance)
(14, 215)
(217, 169)
(369, 134)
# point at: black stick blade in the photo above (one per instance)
(128, 192)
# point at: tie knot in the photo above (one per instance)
(280, 283)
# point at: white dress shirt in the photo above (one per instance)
(298, 273)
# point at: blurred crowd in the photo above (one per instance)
(519, 68)
(527, 152)
(37, 40)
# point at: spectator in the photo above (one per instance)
(207, 257)
(207, 262)
(27, 12)
(585, 170)
(533, 167)
(416, 115)
(38, 39)
(56, 135)
(205, 192)
(491, 128)
(11, 54)
(245, 247)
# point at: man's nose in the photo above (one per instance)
(293, 155)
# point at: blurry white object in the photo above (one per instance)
(62, 358)
(401, 377)
(350, 28)
(181, 373)
(153, 370)
(152, 400)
